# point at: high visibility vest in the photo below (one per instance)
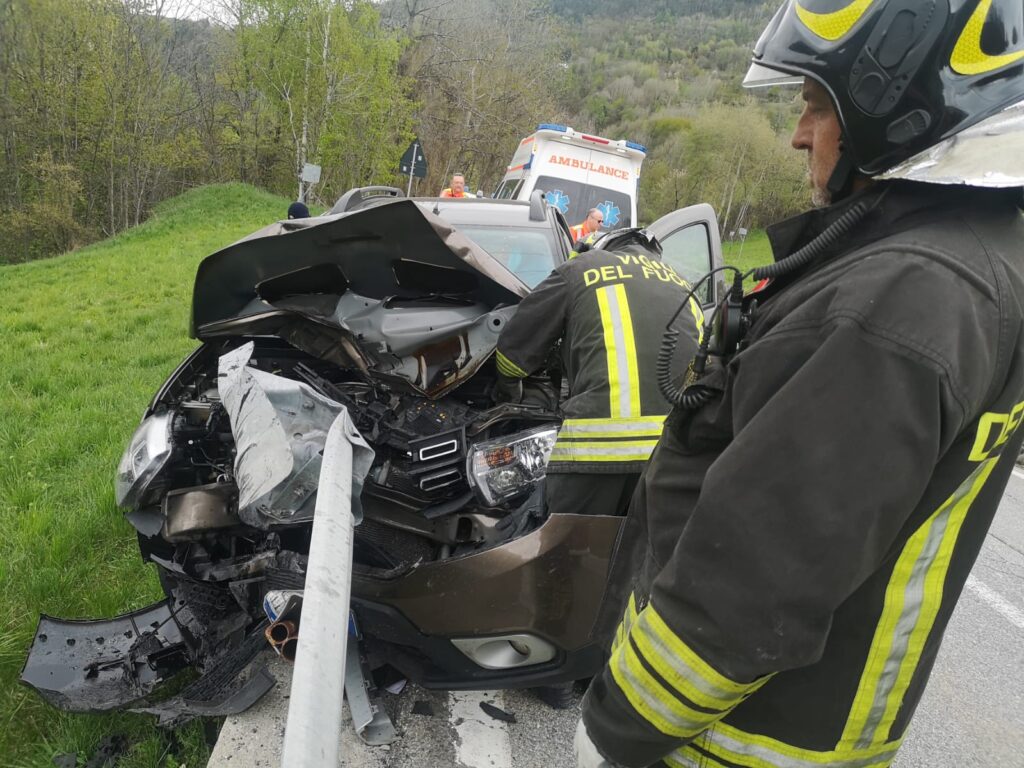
(578, 232)
(447, 192)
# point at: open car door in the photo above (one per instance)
(692, 246)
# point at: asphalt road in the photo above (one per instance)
(972, 715)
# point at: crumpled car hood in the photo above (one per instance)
(393, 291)
(392, 250)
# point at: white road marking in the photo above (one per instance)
(996, 601)
(1018, 473)
(482, 742)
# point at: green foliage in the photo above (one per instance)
(131, 107)
(670, 79)
(88, 337)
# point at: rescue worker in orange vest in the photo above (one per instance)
(817, 499)
(593, 223)
(458, 187)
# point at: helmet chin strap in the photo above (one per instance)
(840, 184)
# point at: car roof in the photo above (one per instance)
(483, 211)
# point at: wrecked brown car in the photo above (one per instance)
(461, 579)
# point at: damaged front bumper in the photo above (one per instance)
(120, 663)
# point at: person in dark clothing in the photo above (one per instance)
(609, 309)
(298, 210)
(805, 531)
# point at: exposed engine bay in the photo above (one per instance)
(460, 578)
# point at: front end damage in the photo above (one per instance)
(461, 580)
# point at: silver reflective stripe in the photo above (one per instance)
(685, 726)
(599, 451)
(670, 658)
(714, 737)
(913, 599)
(625, 384)
(643, 426)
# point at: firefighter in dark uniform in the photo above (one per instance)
(610, 310)
(808, 526)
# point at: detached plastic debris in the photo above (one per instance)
(281, 604)
(421, 707)
(497, 713)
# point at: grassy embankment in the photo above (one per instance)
(88, 337)
(755, 252)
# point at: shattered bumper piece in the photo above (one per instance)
(227, 688)
(96, 666)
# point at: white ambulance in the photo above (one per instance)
(577, 172)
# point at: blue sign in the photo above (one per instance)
(611, 213)
(558, 199)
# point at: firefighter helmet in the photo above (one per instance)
(904, 75)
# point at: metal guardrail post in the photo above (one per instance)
(314, 710)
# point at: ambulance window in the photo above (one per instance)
(508, 189)
(688, 252)
(574, 200)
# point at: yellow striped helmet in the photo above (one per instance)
(903, 75)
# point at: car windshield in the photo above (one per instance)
(529, 253)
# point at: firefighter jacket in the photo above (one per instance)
(610, 311)
(805, 536)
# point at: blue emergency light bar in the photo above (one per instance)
(565, 129)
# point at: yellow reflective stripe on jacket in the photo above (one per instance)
(507, 368)
(688, 757)
(628, 618)
(698, 318)
(749, 750)
(653, 701)
(912, 601)
(682, 668)
(594, 429)
(623, 450)
(620, 350)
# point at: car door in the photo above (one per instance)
(692, 246)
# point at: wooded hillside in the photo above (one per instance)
(109, 106)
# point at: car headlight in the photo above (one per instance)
(146, 455)
(506, 467)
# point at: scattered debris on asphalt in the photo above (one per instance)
(497, 713)
(420, 707)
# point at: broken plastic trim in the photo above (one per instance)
(96, 666)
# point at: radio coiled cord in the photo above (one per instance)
(677, 396)
(695, 396)
(817, 246)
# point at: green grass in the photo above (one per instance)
(88, 337)
(755, 252)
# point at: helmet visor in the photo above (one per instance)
(989, 154)
(760, 76)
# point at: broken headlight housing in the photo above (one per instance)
(146, 455)
(509, 466)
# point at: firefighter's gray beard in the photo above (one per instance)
(820, 196)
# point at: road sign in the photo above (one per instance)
(311, 174)
(414, 163)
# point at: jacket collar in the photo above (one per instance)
(890, 203)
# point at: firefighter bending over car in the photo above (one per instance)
(815, 505)
(610, 310)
